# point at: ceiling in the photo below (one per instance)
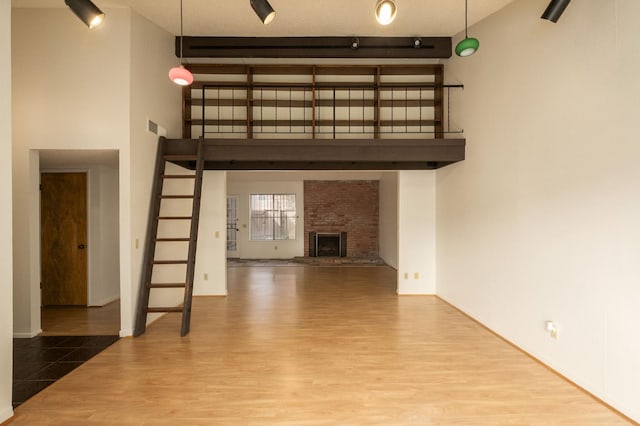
(300, 17)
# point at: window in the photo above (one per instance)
(273, 217)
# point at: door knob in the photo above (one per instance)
(81, 246)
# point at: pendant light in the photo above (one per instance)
(180, 75)
(86, 11)
(386, 11)
(469, 45)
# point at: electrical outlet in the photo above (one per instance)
(406, 275)
(416, 276)
(206, 276)
(217, 234)
(552, 329)
(137, 243)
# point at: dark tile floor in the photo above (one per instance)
(40, 361)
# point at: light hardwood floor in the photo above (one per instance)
(315, 346)
(81, 321)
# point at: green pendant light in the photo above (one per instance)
(469, 45)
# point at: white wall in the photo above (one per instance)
(105, 264)
(6, 279)
(88, 89)
(540, 222)
(212, 237)
(110, 229)
(388, 215)
(152, 96)
(73, 83)
(416, 232)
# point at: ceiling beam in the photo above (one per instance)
(315, 47)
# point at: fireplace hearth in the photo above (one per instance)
(327, 244)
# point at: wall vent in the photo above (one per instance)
(152, 127)
(155, 128)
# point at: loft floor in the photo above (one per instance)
(317, 154)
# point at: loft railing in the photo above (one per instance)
(335, 102)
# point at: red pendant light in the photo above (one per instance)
(180, 75)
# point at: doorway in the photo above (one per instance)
(79, 190)
(63, 238)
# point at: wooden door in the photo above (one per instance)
(63, 238)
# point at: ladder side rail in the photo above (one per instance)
(193, 241)
(150, 244)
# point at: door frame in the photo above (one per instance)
(86, 171)
(235, 253)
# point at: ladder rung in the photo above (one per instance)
(178, 176)
(174, 218)
(168, 240)
(174, 157)
(175, 196)
(167, 285)
(170, 262)
(160, 309)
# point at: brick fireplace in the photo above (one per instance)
(348, 208)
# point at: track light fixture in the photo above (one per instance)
(386, 11)
(263, 9)
(554, 10)
(355, 43)
(180, 75)
(469, 45)
(86, 11)
(417, 42)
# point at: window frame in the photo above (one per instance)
(290, 218)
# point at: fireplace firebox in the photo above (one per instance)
(327, 244)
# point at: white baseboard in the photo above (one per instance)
(26, 334)
(126, 332)
(209, 293)
(6, 413)
(105, 301)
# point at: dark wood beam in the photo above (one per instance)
(308, 154)
(314, 47)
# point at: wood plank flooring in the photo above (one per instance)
(81, 321)
(314, 346)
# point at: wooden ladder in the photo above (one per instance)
(152, 240)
